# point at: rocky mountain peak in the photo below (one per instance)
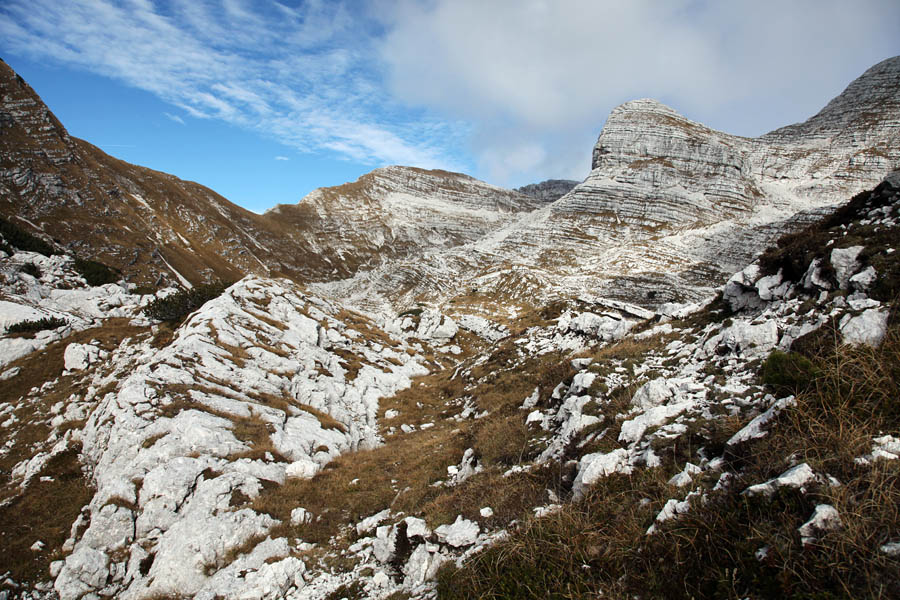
(550, 190)
(869, 102)
(26, 121)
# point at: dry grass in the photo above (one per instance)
(509, 497)
(44, 511)
(598, 547)
(326, 420)
(502, 440)
(351, 363)
(396, 476)
(364, 325)
(563, 555)
(33, 427)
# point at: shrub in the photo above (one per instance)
(788, 372)
(31, 269)
(179, 305)
(37, 325)
(96, 273)
(23, 240)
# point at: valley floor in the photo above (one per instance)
(275, 444)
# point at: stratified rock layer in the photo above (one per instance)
(672, 207)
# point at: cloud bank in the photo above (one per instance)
(301, 75)
(514, 90)
(538, 77)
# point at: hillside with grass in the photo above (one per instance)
(270, 443)
(708, 409)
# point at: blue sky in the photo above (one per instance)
(265, 100)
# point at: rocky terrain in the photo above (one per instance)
(670, 207)
(548, 191)
(435, 404)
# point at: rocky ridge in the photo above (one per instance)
(672, 207)
(159, 229)
(549, 190)
(396, 213)
(280, 444)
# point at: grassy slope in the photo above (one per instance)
(846, 396)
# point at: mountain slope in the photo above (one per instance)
(157, 228)
(397, 212)
(672, 207)
(277, 445)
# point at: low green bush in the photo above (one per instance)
(179, 305)
(96, 273)
(23, 240)
(788, 372)
(36, 325)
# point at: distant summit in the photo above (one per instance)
(550, 190)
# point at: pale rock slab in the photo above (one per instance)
(799, 477)
(633, 430)
(864, 279)
(756, 428)
(461, 533)
(422, 566)
(593, 467)
(813, 277)
(686, 476)
(652, 394)
(846, 264)
(868, 328)
(825, 518)
(78, 357)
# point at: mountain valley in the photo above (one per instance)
(419, 385)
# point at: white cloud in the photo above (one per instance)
(539, 77)
(303, 76)
(282, 158)
(523, 86)
(175, 118)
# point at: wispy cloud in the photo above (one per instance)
(537, 79)
(282, 158)
(301, 75)
(521, 86)
(175, 118)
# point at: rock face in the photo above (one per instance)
(550, 190)
(257, 387)
(670, 201)
(398, 212)
(671, 207)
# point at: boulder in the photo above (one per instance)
(845, 263)
(868, 328)
(461, 533)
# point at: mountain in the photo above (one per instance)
(157, 228)
(397, 212)
(671, 208)
(460, 391)
(549, 190)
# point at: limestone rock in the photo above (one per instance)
(461, 533)
(867, 328)
(825, 518)
(844, 261)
